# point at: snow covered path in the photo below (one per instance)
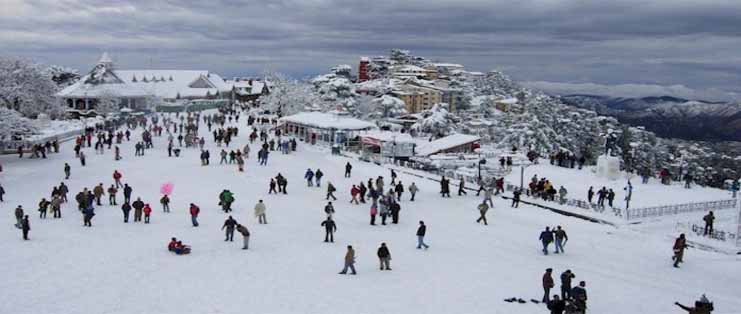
(125, 268)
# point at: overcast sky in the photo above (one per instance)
(680, 47)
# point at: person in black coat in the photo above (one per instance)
(395, 209)
(421, 231)
(229, 224)
(546, 237)
(126, 208)
(566, 284)
(557, 305)
(25, 227)
(329, 229)
(384, 257)
(127, 193)
(348, 170)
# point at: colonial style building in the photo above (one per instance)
(141, 89)
(248, 89)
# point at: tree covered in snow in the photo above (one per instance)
(26, 88)
(343, 70)
(287, 96)
(107, 103)
(62, 76)
(437, 121)
(13, 124)
(386, 106)
(335, 92)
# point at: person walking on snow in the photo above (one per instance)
(330, 227)
(318, 176)
(67, 171)
(349, 261)
(260, 212)
(399, 189)
(384, 257)
(194, 211)
(421, 231)
(25, 227)
(462, 188)
(516, 198)
(679, 245)
(309, 176)
(413, 191)
(348, 170)
(354, 191)
(330, 191)
(483, 208)
(126, 208)
(127, 193)
(488, 194)
(229, 225)
(561, 239)
(546, 237)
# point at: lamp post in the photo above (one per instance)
(481, 162)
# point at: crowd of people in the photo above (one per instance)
(383, 199)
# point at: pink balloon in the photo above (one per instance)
(167, 188)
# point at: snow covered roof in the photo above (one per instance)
(160, 83)
(445, 143)
(509, 101)
(327, 121)
(386, 136)
(408, 68)
(448, 65)
(247, 87)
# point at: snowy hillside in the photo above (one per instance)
(114, 267)
(669, 116)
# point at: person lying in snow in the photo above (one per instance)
(178, 247)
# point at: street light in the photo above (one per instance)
(481, 162)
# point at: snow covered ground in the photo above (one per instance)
(577, 183)
(125, 268)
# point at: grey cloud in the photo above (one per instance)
(607, 42)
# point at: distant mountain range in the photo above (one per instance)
(669, 116)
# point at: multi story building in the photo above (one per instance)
(417, 97)
(363, 69)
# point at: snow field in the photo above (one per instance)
(125, 268)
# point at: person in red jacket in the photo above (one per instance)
(194, 210)
(172, 245)
(547, 285)
(354, 193)
(117, 177)
(147, 211)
